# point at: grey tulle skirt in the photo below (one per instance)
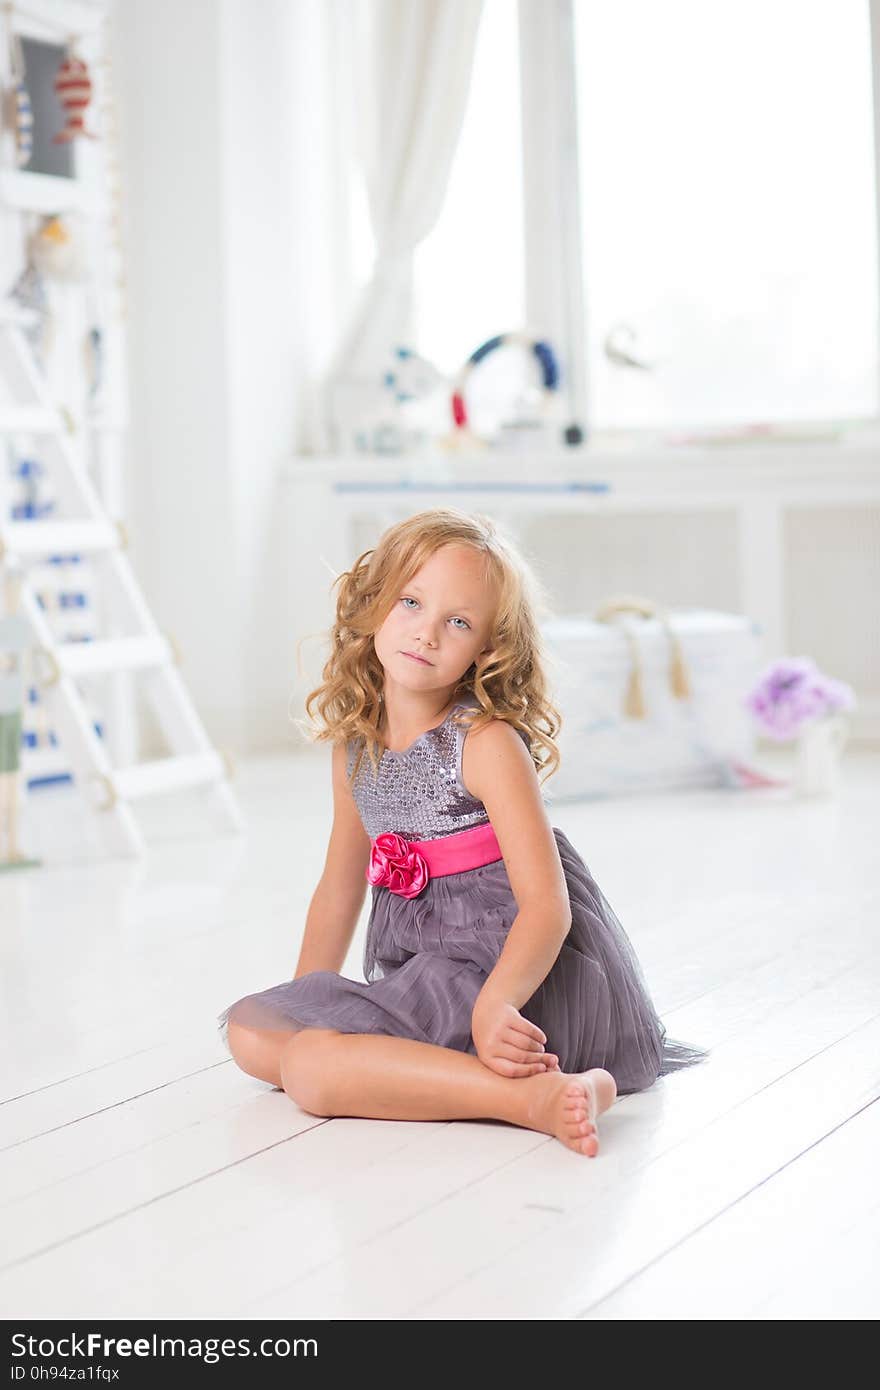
(426, 959)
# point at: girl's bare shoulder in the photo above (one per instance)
(495, 751)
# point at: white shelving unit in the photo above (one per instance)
(54, 413)
(97, 429)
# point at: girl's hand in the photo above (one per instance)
(506, 1042)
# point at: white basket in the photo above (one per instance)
(688, 742)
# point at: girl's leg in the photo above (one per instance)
(376, 1077)
(258, 1050)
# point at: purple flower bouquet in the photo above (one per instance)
(794, 692)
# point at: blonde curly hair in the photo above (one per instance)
(508, 680)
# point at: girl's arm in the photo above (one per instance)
(337, 901)
(497, 768)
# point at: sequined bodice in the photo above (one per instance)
(418, 792)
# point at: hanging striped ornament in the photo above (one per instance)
(73, 87)
(541, 351)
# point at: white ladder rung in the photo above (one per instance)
(28, 408)
(167, 775)
(58, 537)
(117, 654)
(48, 761)
(30, 419)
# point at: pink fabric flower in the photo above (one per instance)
(395, 865)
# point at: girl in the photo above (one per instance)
(499, 982)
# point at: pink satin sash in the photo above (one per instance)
(466, 849)
(405, 866)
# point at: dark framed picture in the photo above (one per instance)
(41, 62)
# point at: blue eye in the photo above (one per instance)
(407, 599)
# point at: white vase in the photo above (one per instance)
(817, 756)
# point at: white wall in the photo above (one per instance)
(234, 168)
(230, 180)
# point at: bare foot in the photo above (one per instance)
(568, 1105)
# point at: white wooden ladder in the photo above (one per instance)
(141, 647)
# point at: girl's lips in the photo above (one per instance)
(412, 656)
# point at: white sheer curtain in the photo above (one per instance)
(323, 60)
(412, 70)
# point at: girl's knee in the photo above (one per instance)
(306, 1070)
(254, 1052)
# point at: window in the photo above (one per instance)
(727, 204)
(469, 281)
(469, 272)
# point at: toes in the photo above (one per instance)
(579, 1098)
(580, 1109)
(582, 1130)
(578, 1116)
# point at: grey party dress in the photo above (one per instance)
(426, 957)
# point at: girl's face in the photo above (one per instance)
(443, 614)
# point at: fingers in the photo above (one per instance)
(510, 1067)
(525, 1063)
(523, 1035)
(530, 1045)
(519, 1050)
(518, 1054)
(529, 1031)
(548, 1060)
(506, 1068)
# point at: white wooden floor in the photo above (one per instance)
(142, 1174)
